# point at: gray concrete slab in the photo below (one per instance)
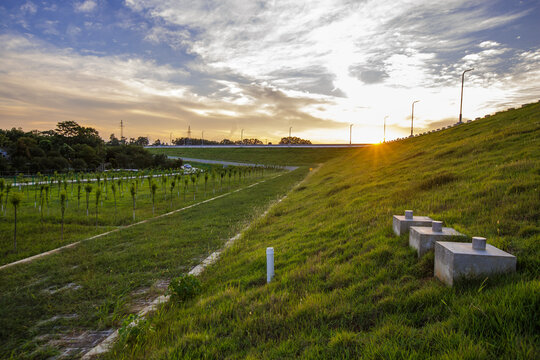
(423, 238)
(454, 260)
(402, 223)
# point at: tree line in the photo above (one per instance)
(72, 147)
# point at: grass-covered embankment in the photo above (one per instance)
(266, 156)
(346, 287)
(46, 304)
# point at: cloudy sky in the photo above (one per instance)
(264, 66)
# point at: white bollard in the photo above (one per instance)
(269, 264)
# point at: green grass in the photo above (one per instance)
(109, 271)
(346, 287)
(35, 236)
(269, 156)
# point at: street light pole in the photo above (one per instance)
(384, 134)
(242, 137)
(202, 138)
(461, 102)
(412, 115)
(290, 128)
(350, 134)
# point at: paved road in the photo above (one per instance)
(221, 162)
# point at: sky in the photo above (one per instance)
(264, 66)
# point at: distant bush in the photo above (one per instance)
(184, 287)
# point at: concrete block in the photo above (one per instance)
(423, 238)
(455, 260)
(401, 224)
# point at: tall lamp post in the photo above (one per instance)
(412, 115)
(290, 129)
(202, 138)
(350, 134)
(384, 133)
(242, 137)
(461, 102)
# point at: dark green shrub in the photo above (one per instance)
(184, 287)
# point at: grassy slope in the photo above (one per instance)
(270, 156)
(346, 287)
(109, 270)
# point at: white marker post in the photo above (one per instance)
(269, 264)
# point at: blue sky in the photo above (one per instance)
(264, 66)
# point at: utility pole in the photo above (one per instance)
(122, 131)
(242, 137)
(350, 134)
(412, 115)
(202, 138)
(384, 134)
(189, 135)
(461, 102)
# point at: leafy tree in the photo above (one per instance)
(186, 181)
(8, 188)
(15, 200)
(141, 141)
(193, 179)
(78, 193)
(133, 192)
(41, 201)
(47, 192)
(213, 175)
(120, 187)
(65, 184)
(173, 183)
(293, 140)
(153, 188)
(113, 189)
(221, 176)
(205, 181)
(63, 197)
(98, 196)
(72, 133)
(88, 190)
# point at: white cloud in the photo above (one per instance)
(73, 30)
(85, 6)
(29, 7)
(488, 44)
(49, 27)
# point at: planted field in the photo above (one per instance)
(64, 303)
(269, 156)
(347, 287)
(93, 207)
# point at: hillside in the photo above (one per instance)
(346, 287)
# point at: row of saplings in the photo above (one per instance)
(100, 183)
